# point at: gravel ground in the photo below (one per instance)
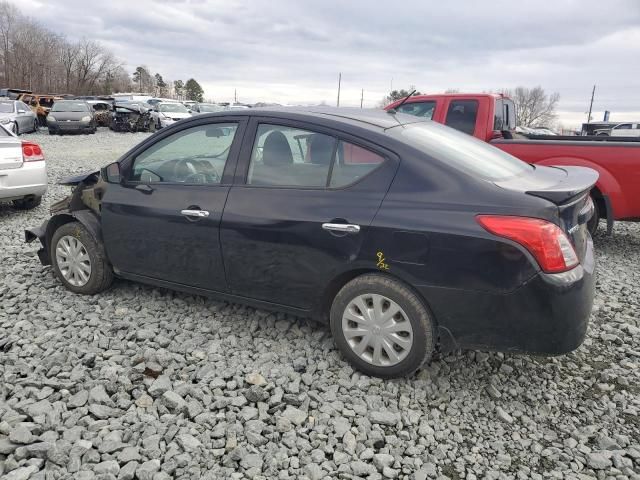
(146, 383)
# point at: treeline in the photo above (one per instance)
(35, 58)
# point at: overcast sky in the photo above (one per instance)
(290, 51)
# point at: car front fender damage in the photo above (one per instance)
(83, 205)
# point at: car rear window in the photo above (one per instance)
(462, 151)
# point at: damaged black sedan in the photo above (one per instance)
(403, 234)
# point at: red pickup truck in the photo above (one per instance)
(491, 118)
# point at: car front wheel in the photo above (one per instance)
(79, 261)
(382, 327)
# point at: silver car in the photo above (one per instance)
(17, 117)
(23, 171)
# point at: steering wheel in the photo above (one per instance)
(195, 171)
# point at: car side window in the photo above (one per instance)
(352, 163)
(419, 109)
(195, 155)
(288, 156)
(23, 106)
(462, 114)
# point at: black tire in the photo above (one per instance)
(422, 324)
(27, 203)
(101, 275)
(16, 128)
(594, 221)
(35, 126)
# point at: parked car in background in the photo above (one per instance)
(71, 116)
(626, 130)
(13, 93)
(491, 118)
(401, 233)
(101, 112)
(40, 105)
(131, 117)
(189, 104)
(208, 108)
(17, 117)
(23, 171)
(166, 113)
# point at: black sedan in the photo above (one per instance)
(71, 116)
(404, 234)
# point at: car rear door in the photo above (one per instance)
(300, 208)
(162, 221)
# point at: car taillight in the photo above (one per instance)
(31, 152)
(548, 244)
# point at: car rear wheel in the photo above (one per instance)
(79, 260)
(35, 126)
(15, 128)
(27, 203)
(382, 327)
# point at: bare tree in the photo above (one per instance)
(68, 58)
(534, 108)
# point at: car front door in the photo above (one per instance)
(299, 211)
(162, 220)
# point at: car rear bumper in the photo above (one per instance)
(29, 179)
(547, 315)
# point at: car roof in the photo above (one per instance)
(363, 117)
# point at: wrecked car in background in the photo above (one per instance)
(102, 112)
(41, 105)
(131, 117)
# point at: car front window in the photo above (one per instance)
(195, 155)
(70, 107)
(462, 151)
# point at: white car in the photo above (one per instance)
(17, 116)
(166, 113)
(23, 171)
(626, 130)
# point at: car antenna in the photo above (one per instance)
(404, 100)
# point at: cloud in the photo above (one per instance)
(291, 51)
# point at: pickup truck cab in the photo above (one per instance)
(492, 118)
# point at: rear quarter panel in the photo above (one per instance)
(618, 165)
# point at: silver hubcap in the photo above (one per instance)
(377, 330)
(73, 261)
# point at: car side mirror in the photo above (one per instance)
(189, 111)
(111, 173)
(22, 111)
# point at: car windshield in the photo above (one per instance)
(462, 151)
(6, 107)
(70, 107)
(210, 108)
(173, 107)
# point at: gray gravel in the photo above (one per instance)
(146, 383)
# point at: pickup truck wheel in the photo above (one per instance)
(79, 261)
(382, 327)
(27, 203)
(592, 224)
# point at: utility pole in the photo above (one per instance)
(235, 95)
(593, 92)
(339, 82)
(361, 97)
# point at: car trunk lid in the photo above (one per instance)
(10, 153)
(568, 188)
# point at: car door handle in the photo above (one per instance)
(341, 227)
(195, 213)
